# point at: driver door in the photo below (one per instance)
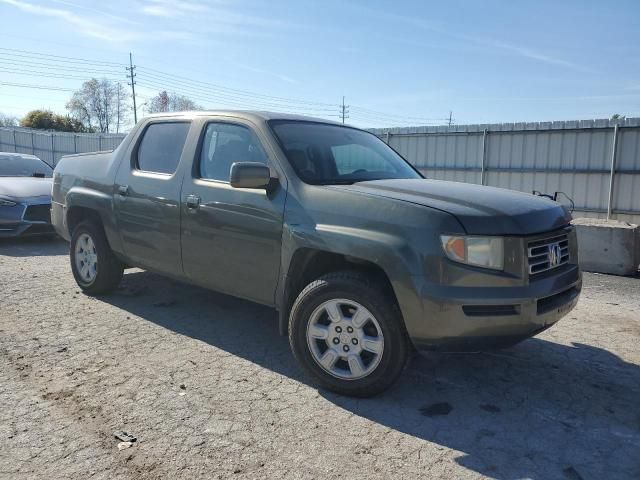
(231, 237)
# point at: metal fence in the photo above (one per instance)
(50, 146)
(595, 162)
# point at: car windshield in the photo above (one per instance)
(324, 154)
(16, 166)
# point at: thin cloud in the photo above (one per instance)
(478, 41)
(214, 17)
(169, 9)
(96, 10)
(249, 68)
(85, 25)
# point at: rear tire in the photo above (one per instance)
(347, 333)
(94, 265)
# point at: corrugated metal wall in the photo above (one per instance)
(574, 157)
(50, 146)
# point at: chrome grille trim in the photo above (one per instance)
(539, 253)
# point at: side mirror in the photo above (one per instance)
(249, 175)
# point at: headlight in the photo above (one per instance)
(7, 203)
(487, 252)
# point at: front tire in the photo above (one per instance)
(94, 265)
(347, 333)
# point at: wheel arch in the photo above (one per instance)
(307, 264)
(86, 204)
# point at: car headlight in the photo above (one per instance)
(487, 252)
(7, 203)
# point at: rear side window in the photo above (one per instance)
(161, 147)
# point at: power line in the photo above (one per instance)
(208, 95)
(218, 91)
(202, 97)
(39, 87)
(66, 59)
(64, 67)
(407, 117)
(44, 74)
(235, 90)
(50, 66)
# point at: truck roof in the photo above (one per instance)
(248, 114)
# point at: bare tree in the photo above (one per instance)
(100, 104)
(8, 121)
(171, 102)
(122, 106)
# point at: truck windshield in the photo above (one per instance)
(325, 154)
(17, 166)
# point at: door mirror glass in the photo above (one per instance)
(249, 175)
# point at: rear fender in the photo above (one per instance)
(99, 202)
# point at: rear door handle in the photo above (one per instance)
(123, 190)
(193, 201)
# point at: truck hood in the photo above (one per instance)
(481, 210)
(25, 187)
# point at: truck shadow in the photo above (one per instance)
(538, 410)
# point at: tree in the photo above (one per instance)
(47, 120)
(100, 104)
(617, 116)
(171, 102)
(8, 121)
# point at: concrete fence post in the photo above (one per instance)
(612, 175)
(483, 166)
(388, 137)
(33, 145)
(15, 144)
(53, 150)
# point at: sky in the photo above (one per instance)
(396, 63)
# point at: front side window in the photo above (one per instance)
(325, 154)
(225, 144)
(161, 147)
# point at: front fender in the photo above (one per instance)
(390, 252)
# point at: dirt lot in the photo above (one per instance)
(211, 391)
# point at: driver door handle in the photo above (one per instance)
(123, 190)
(193, 201)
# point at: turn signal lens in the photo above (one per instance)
(487, 252)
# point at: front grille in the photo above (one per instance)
(547, 253)
(38, 213)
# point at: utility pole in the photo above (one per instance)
(131, 68)
(344, 110)
(450, 118)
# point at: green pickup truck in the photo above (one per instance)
(364, 259)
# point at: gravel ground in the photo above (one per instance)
(211, 391)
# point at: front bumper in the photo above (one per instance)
(477, 318)
(19, 220)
